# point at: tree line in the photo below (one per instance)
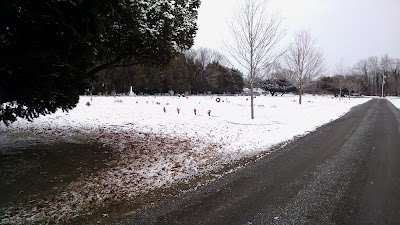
(198, 71)
(373, 71)
(371, 76)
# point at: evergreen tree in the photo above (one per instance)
(50, 50)
(223, 79)
(327, 84)
(280, 85)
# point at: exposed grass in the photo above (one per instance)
(31, 174)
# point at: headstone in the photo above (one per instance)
(131, 92)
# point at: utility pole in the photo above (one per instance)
(383, 83)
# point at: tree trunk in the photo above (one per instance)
(340, 94)
(300, 94)
(252, 99)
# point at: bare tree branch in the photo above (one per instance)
(340, 77)
(255, 39)
(304, 60)
(206, 56)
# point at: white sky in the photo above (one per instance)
(348, 29)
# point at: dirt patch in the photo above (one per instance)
(75, 184)
(64, 183)
(30, 174)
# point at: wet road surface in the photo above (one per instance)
(346, 172)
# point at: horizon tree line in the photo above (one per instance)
(198, 71)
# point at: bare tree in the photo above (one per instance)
(363, 69)
(381, 75)
(386, 65)
(340, 77)
(255, 38)
(304, 60)
(339, 81)
(349, 85)
(356, 83)
(396, 74)
(205, 56)
(373, 64)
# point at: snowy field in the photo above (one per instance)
(395, 101)
(158, 149)
(277, 119)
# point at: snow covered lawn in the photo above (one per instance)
(158, 149)
(395, 101)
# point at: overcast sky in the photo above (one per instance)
(348, 29)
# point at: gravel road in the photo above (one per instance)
(346, 172)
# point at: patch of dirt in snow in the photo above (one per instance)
(144, 163)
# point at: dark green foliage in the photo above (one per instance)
(327, 84)
(50, 50)
(43, 57)
(198, 78)
(181, 75)
(224, 80)
(176, 76)
(275, 86)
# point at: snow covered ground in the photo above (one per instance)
(395, 101)
(158, 149)
(276, 119)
